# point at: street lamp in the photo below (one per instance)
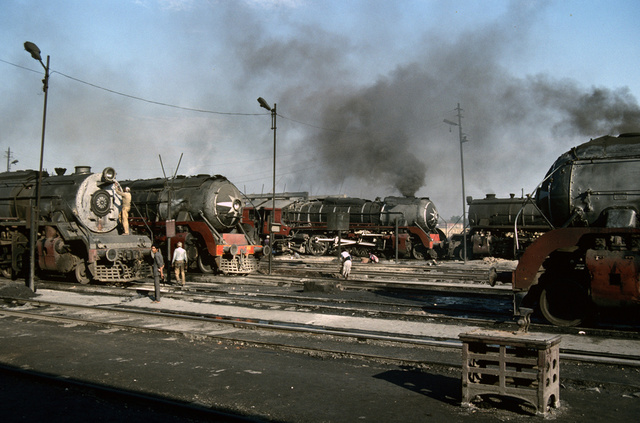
(463, 139)
(263, 103)
(35, 53)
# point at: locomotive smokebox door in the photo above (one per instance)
(338, 221)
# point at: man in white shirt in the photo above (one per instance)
(179, 262)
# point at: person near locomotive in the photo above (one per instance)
(158, 271)
(345, 258)
(179, 262)
(126, 206)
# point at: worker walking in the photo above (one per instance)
(179, 262)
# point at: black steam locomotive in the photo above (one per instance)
(500, 227)
(314, 226)
(592, 257)
(203, 212)
(77, 227)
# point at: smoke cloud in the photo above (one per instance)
(387, 137)
(361, 97)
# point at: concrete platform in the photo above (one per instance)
(267, 385)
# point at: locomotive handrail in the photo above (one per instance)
(250, 239)
(530, 199)
(143, 219)
(515, 223)
(216, 234)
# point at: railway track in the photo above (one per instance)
(336, 328)
(415, 271)
(463, 306)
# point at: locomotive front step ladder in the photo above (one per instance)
(513, 364)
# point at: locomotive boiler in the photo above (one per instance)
(500, 227)
(592, 257)
(203, 212)
(77, 228)
(368, 226)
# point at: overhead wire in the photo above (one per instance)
(198, 110)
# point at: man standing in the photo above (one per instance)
(179, 262)
(126, 206)
(158, 270)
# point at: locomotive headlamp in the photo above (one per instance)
(108, 174)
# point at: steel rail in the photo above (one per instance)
(573, 355)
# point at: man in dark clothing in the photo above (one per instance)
(158, 267)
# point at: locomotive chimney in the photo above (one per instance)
(83, 170)
(60, 170)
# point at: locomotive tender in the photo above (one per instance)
(592, 258)
(370, 226)
(204, 212)
(77, 227)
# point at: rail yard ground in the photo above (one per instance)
(62, 370)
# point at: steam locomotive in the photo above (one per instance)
(203, 212)
(315, 226)
(499, 227)
(592, 257)
(77, 224)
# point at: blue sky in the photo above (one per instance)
(362, 88)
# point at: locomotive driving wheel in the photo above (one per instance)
(205, 263)
(7, 272)
(565, 303)
(317, 248)
(419, 252)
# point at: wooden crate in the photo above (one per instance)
(514, 364)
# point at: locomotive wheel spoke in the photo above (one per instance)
(317, 248)
(564, 303)
(81, 273)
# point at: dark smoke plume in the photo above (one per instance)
(388, 135)
(368, 141)
(587, 112)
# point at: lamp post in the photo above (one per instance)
(35, 53)
(265, 105)
(463, 139)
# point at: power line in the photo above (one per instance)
(191, 109)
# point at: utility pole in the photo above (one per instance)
(463, 139)
(170, 223)
(9, 161)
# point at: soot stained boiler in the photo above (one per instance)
(205, 211)
(77, 228)
(591, 259)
